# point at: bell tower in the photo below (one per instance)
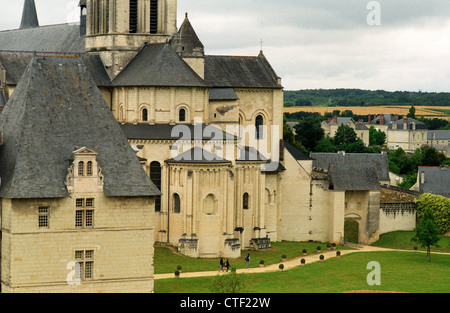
(117, 29)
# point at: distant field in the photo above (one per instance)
(428, 111)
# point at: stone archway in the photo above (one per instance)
(351, 228)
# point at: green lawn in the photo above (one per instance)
(402, 240)
(400, 271)
(166, 261)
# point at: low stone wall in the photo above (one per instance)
(396, 216)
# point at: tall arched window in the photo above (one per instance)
(133, 16)
(259, 125)
(245, 201)
(144, 115)
(81, 168)
(153, 16)
(182, 115)
(155, 176)
(89, 168)
(176, 203)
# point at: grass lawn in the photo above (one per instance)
(166, 260)
(400, 271)
(402, 240)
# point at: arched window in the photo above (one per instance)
(259, 125)
(182, 115)
(153, 16)
(144, 115)
(121, 113)
(155, 176)
(89, 168)
(81, 168)
(176, 203)
(268, 198)
(245, 201)
(133, 16)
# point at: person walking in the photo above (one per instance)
(221, 265)
(227, 264)
(247, 260)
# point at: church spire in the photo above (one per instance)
(29, 15)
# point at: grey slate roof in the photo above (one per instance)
(222, 94)
(172, 132)
(353, 177)
(29, 15)
(63, 38)
(340, 120)
(388, 118)
(15, 64)
(296, 154)
(186, 42)
(438, 135)
(437, 180)
(158, 65)
(323, 161)
(239, 72)
(401, 125)
(198, 155)
(55, 107)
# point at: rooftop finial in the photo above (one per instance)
(186, 14)
(29, 15)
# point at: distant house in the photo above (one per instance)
(433, 179)
(382, 121)
(440, 140)
(331, 126)
(407, 133)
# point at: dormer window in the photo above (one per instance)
(89, 168)
(81, 168)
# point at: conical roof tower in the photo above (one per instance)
(29, 15)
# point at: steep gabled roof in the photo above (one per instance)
(158, 65)
(436, 180)
(56, 107)
(353, 177)
(63, 38)
(186, 42)
(239, 72)
(15, 64)
(323, 161)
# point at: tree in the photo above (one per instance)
(309, 132)
(325, 145)
(439, 205)
(412, 112)
(376, 137)
(430, 157)
(344, 135)
(427, 232)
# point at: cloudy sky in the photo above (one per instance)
(384, 44)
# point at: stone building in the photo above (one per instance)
(331, 126)
(206, 129)
(74, 199)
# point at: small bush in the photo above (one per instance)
(261, 262)
(304, 251)
(281, 266)
(302, 261)
(322, 257)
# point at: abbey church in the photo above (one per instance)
(119, 132)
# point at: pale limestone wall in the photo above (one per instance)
(223, 113)
(304, 204)
(197, 64)
(337, 200)
(408, 140)
(123, 227)
(272, 205)
(162, 103)
(397, 220)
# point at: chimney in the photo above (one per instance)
(422, 177)
(329, 119)
(382, 119)
(335, 120)
(369, 119)
(405, 120)
(396, 117)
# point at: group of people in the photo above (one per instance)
(226, 264)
